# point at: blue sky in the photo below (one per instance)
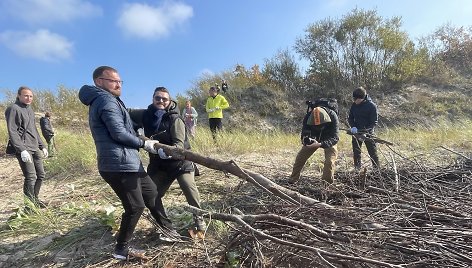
(48, 43)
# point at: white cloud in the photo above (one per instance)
(41, 45)
(145, 21)
(47, 11)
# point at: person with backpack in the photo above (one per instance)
(48, 132)
(363, 118)
(27, 145)
(162, 122)
(320, 130)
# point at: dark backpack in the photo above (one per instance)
(330, 103)
(327, 103)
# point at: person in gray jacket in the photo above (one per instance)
(29, 148)
(119, 164)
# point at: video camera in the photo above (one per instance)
(307, 140)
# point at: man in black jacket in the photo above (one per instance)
(48, 132)
(320, 130)
(363, 117)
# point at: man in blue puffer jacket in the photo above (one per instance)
(363, 118)
(118, 158)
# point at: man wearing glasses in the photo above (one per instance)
(363, 117)
(161, 121)
(118, 158)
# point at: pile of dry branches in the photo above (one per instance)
(413, 216)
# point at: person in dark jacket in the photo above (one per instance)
(161, 121)
(118, 158)
(48, 132)
(363, 118)
(224, 86)
(320, 130)
(29, 148)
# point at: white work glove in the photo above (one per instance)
(45, 153)
(26, 157)
(149, 146)
(162, 154)
(354, 130)
(217, 108)
(211, 110)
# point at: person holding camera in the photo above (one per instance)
(320, 130)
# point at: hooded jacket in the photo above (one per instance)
(363, 116)
(21, 126)
(116, 141)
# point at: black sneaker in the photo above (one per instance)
(128, 252)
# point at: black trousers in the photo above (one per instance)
(371, 149)
(136, 190)
(216, 124)
(34, 174)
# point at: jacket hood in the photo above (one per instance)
(87, 94)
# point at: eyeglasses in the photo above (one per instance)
(111, 80)
(159, 98)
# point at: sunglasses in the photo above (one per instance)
(159, 98)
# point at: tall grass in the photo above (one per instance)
(75, 154)
(237, 141)
(454, 135)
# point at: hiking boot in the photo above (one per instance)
(293, 180)
(200, 224)
(128, 252)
